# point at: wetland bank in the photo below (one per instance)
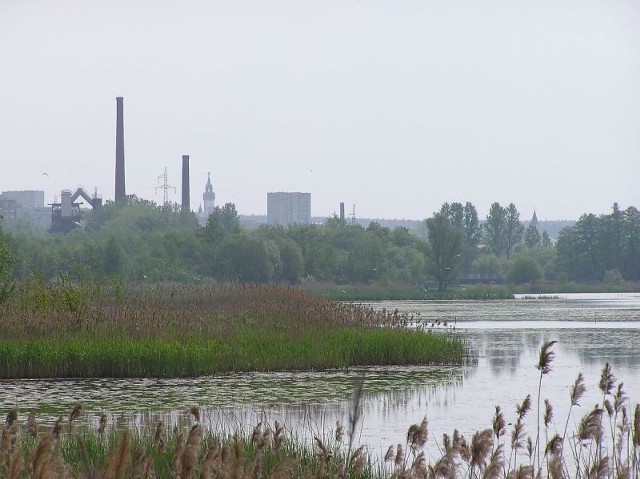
(504, 337)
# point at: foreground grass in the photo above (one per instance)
(605, 444)
(176, 331)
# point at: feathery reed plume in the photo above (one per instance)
(390, 454)
(207, 466)
(523, 472)
(178, 447)
(599, 470)
(32, 425)
(524, 408)
(577, 390)
(608, 407)
(43, 458)
(189, 454)
(339, 435)
(556, 468)
(590, 427)
(419, 466)
(358, 460)
(554, 446)
(102, 424)
(256, 434)
(324, 452)
(636, 426)
(160, 436)
(545, 357)
(284, 469)
(118, 463)
(354, 418)
(607, 379)
(619, 397)
(417, 436)
(139, 463)
(498, 423)
(12, 416)
(544, 366)
(495, 468)
(195, 410)
(548, 413)
(481, 446)
(57, 427)
(399, 460)
(278, 436)
(75, 413)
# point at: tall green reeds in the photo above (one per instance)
(171, 331)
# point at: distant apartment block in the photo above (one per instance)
(285, 208)
(25, 204)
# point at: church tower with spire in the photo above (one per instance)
(208, 197)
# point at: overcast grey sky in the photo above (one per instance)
(395, 106)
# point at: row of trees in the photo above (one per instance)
(140, 240)
(596, 245)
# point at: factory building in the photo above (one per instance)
(284, 208)
(25, 204)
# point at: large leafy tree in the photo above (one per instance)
(513, 229)
(444, 251)
(495, 229)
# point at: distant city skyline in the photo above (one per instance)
(395, 107)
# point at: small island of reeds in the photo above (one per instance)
(114, 330)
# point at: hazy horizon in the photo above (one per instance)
(395, 107)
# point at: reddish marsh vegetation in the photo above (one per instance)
(76, 330)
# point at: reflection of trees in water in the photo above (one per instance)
(504, 349)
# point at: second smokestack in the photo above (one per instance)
(120, 189)
(186, 193)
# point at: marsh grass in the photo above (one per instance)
(179, 331)
(605, 444)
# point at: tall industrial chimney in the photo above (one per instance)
(186, 193)
(120, 189)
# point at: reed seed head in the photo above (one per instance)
(577, 390)
(546, 357)
(607, 379)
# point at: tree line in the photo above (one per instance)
(139, 240)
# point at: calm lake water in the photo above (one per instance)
(504, 337)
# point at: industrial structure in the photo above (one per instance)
(67, 214)
(284, 208)
(186, 191)
(120, 192)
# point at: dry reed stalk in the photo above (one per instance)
(599, 470)
(195, 410)
(188, 458)
(390, 454)
(212, 457)
(118, 459)
(32, 425)
(160, 436)
(358, 460)
(339, 435)
(495, 468)
(278, 436)
(102, 424)
(284, 469)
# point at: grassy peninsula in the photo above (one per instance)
(117, 330)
